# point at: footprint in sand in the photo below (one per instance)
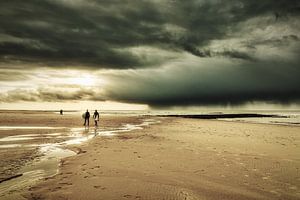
(131, 196)
(95, 167)
(48, 178)
(99, 187)
(197, 171)
(65, 184)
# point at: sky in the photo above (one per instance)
(149, 54)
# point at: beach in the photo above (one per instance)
(169, 158)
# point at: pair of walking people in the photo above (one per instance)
(87, 115)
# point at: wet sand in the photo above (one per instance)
(182, 159)
(33, 143)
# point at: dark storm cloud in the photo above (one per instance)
(162, 52)
(210, 83)
(76, 32)
(237, 54)
(54, 32)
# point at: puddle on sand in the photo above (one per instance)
(31, 137)
(44, 166)
(51, 153)
(28, 127)
(6, 146)
(15, 138)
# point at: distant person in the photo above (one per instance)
(86, 118)
(96, 117)
(61, 112)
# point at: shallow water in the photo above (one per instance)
(44, 166)
(28, 127)
(51, 149)
(286, 117)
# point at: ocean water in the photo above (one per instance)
(287, 117)
(283, 117)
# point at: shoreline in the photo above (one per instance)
(222, 116)
(252, 118)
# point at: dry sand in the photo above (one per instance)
(182, 159)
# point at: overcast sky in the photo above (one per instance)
(159, 53)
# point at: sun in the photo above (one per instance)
(83, 81)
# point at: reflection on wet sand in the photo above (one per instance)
(28, 127)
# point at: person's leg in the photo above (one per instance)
(88, 120)
(84, 122)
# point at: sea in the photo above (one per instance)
(282, 117)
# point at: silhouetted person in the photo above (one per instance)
(96, 117)
(61, 112)
(87, 118)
